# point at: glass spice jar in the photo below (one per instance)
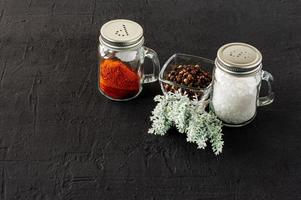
(237, 80)
(121, 52)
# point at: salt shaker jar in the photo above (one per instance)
(236, 84)
(121, 52)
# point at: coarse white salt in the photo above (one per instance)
(235, 97)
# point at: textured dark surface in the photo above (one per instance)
(60, 139)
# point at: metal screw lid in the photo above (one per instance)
(121, 34)
(238, 58)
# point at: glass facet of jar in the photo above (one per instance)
(236, 84)
(121, 52)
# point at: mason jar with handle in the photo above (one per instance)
(121, 52)
(236, 84)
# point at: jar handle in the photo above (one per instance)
(151, 54)
(266, 100)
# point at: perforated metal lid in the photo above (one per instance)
(121, 34)
(238, 58)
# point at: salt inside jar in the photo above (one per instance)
(236, 84)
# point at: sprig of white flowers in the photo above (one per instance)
(189, 117)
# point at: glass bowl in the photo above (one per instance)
(185, 59)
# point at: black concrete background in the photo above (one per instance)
(60, 139)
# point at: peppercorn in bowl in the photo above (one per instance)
(187, 74)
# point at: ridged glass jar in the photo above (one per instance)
(236, 84)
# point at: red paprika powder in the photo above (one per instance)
(118, 80)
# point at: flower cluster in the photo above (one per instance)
(189, 117)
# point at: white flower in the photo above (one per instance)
(188, 117)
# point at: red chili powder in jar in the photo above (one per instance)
(117, 80)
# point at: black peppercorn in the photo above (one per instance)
(188, 75)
